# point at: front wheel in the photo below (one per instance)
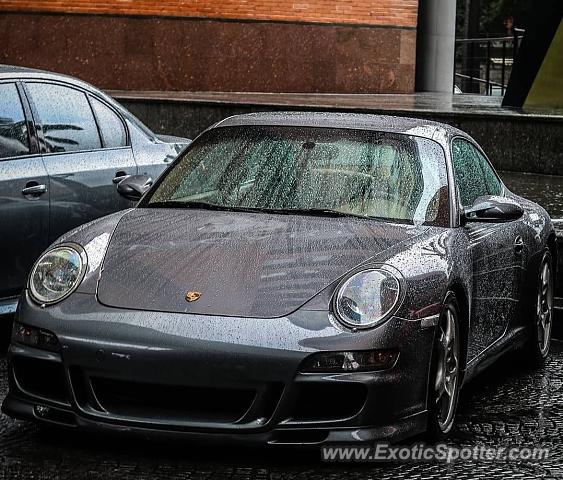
(445, 378)
(540, 334)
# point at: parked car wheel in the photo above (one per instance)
(445, 378)
(542, 313)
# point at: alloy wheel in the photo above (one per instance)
(447, 375)
(544, 308)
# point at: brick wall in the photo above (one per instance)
(325, 46)
(370, 12)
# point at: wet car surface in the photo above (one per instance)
(389, 307)
(508, 405)
(547, 191)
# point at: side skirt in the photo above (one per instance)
(509, 342)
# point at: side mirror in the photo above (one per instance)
(134, 187)
(492, 209)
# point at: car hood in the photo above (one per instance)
(242, 264)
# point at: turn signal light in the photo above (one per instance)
(35, 337)
(359, 361)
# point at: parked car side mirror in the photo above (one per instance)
(134, 187)
(492, 209)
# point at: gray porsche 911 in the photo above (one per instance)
(293, 278)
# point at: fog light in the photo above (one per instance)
(360, 361)
(35, 337)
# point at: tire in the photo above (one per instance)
(445, 371)
(541, 313)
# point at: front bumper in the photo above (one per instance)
(215, 378)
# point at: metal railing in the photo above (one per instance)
(484, 65)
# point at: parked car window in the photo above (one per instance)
(473, 174)
(396, 177)
(66, 118)
(13, 129)
(111, 126)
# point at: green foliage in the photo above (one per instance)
(493, 13)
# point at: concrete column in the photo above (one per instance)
(435, 46)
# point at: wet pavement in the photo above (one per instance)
(547, 190)
(509, 405)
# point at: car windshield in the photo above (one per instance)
(305, 170)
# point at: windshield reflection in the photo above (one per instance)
(318, 171)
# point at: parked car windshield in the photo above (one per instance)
(310, 171)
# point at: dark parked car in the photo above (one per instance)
(291, 279)
(63, 147)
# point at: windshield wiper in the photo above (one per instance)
(317, 212)
(202, 205)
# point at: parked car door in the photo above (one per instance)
(85, 149)
(24, 192)
(497, 250)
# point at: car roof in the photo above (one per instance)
(15, 72)
(8, 69)
(382, 123)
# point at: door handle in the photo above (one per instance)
(33, 189)
(519, 244)
(120, 176)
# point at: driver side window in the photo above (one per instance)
(473, 174)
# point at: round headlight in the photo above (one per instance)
(367, 298)
(57, 274)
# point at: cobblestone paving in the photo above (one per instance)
(508, 405)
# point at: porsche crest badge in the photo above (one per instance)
(192, 296)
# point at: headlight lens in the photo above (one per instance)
(57, 274)
(367, 298)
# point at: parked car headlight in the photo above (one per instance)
(57, 273)
(367, 298)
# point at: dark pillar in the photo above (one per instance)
(435, 46)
